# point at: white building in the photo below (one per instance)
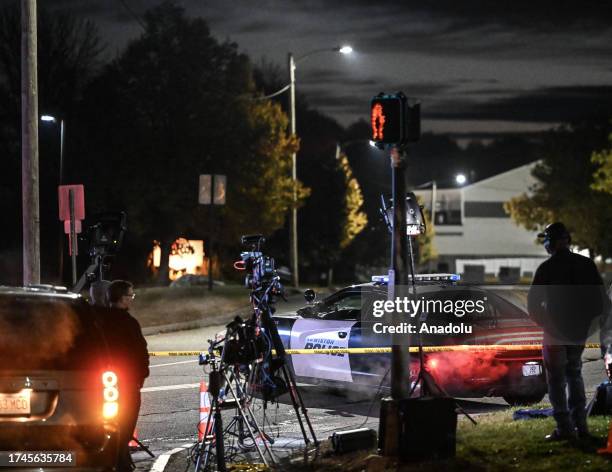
(472, 227)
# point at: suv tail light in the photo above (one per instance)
(110, 408)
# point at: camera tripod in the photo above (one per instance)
(214, 437)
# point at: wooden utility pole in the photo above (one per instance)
(29, 144)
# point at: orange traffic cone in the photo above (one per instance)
(204, 411)
(133, 444)
(608, 448)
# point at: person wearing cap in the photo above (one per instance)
(130, 359)
(566, 295)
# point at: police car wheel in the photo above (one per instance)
(524, 400)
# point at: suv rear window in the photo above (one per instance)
(47, 333)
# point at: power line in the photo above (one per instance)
(135, 15)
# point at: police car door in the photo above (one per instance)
(330, 329)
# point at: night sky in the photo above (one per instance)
(477, 66)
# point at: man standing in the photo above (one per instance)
(564, 298)
(128, 352)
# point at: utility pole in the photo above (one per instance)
(293, 234)
(29, 144)
(434, 191)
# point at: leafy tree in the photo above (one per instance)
(566, 189)
(602, 181)
(69, 52)
(332, 216)
(355, 219)
(170, 107)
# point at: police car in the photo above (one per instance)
(344, 320)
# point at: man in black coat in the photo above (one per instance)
(130, 358)
(566, 295)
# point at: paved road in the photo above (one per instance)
(170, 402)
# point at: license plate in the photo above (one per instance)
(531, 369)
(15, 403)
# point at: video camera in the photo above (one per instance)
(261, 269)
(106, 235)
(105, 239)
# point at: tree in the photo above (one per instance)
(602, 178)
(173, 106)
(69, 51)
(355, 219)
(568, 188)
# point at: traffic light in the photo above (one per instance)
(394, 119)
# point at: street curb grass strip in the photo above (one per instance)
(385, 350)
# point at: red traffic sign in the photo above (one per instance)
(63, 192)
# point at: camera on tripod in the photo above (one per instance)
(261, 269)
(242, 345)
(105, 238)
(106, 235)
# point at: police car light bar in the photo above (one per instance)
(384, 279)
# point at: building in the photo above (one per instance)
(472, 228)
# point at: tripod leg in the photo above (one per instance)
(246, 421)
(302, 405)
(204, 447)
(296, 400)
(219, 445)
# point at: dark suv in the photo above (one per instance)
(57, 395)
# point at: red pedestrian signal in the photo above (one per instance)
(386, 118)
(394, 120)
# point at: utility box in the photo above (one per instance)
(417, 429)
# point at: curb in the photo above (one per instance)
(193, 324)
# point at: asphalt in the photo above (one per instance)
(170, 403)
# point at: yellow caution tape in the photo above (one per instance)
(385, 350)
(173, 353)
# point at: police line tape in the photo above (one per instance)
(385, 350)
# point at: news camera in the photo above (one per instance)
(261, 269)
(105, 238)
(106, 235)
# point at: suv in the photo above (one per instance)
(344, 320)
(56, 393)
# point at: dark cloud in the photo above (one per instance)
(526, 15)
(550, 104)
(525, 61)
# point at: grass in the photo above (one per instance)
(497, 443)
(163, 305)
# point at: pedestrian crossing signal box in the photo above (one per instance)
(395, 119)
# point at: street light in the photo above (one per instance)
(460, 179)
(293, 232)
(52, 119)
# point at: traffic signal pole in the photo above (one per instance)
(400, 365)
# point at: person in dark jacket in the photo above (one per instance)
(130, 359)
(565, 297)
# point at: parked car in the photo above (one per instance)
(56, 393)
(343, 320)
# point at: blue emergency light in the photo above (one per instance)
(384, 279)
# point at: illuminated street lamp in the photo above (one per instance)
(460, 179)
(293, 231)
(52, 119)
